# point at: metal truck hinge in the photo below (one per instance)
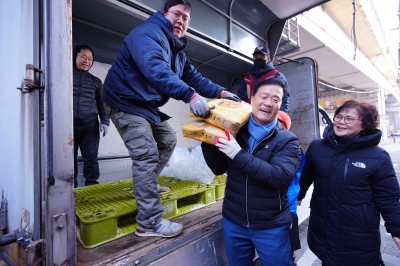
(60, 238)
(34, 79)
(3, 215)
(18, 237)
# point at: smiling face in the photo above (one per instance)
(84, 60)
(266, 103)
(348, 130)
(179, 16)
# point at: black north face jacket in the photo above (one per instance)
(256, 187)
(354, 183)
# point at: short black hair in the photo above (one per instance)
(79, 48)
(273, 81)
(171, 3)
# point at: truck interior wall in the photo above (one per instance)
(209, 51)
(250, 14)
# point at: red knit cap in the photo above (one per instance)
(284, 119)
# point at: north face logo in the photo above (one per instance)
(358, 164)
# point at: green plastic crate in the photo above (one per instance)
(220, 184)
(107, 211)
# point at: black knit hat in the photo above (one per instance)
(261, 49)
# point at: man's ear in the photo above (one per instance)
(251, 100)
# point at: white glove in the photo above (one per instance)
(104, 129)
(230, 147)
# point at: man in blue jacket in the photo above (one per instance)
(262, 70)
(149, 69)
(260, 162)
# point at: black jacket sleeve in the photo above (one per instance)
(104, 119)
(386, 191)
(214, 158)
(277, 172)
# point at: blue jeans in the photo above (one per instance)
(272, 245)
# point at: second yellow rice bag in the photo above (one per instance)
(228, 114)
(200, 130)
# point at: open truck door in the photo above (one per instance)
(308, 120)
(37, 211)
(37, 175)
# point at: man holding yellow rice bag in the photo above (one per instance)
(260, 163)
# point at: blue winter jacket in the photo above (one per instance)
(257, 73)
(151, 68)
(294, 187)
(256, 187)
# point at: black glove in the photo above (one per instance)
(229, 96)
(199, 106)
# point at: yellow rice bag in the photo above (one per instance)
(227, 114)
(200, 130)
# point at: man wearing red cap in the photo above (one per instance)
(261, 70)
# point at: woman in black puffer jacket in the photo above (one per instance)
(354, 183)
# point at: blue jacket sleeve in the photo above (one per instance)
(285, 101)
(150, 57)
(202, 85)
(242, 91)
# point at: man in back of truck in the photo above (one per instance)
(262, 69)
(149, 69)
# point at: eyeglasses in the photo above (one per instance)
(84, 57)
(347, 119)
(178, 14)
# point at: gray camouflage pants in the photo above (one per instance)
(150, 148)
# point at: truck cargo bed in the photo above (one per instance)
(201, 243)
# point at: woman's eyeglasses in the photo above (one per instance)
(347, 119)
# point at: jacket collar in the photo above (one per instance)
(259, 72)
(244, 135)
(349, 144)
